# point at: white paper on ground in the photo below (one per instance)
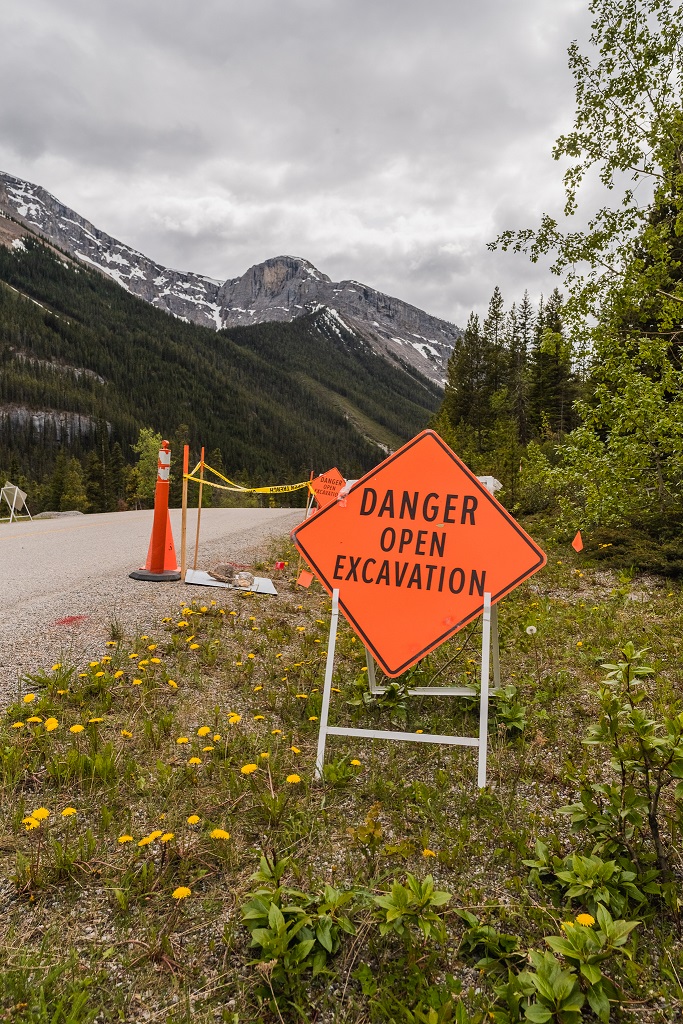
(261, 585)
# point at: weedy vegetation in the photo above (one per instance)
(167, 855)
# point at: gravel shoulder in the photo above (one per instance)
(77, 568)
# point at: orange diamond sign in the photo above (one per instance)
(413, 548)
(327, 486)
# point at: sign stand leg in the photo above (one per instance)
(329, 669)
(370, 662)
(484, 696)
(495, 647)
(14, 500)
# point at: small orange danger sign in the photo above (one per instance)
(413, 549)
(327, 486)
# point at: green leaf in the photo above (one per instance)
(537, 1014)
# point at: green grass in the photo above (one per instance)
(90, 926)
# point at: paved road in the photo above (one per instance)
(78, 566)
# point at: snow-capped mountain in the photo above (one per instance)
(282, 288)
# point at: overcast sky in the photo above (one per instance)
(383, 140)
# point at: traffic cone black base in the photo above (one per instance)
(155, 577)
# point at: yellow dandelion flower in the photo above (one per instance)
(248, 769)
(251, 656)
(204, 730)
(93, 664)
(295, 750)
(98, 674)
(238, 663)
(204, 608)
(301, 629)
(220, 833)
(194, 760)
(193, 819)
(155, 661)
(28, 819)
(293, 779)
(125, 839)
(216, 737)
(428, 853)
(40, 813)
(18, 725)
(257, 688)
(335, 689)
(145, 661)
(259, 718)
(34, 719)
(584, 919)
(313, 718)
(118, 673)
(145, 841)
(187, 611)
(276, 732)
(50, 724)
(137, 682)
(194, 647)
(419, 731)
(30, 824)
(566, 924)
(77, 728)
(152, 647)
(68, 811)
(205, 750)
(181, 893)
(182, 624)
(356, 763)
(82, 675)
(302, 696)
(166, 838)
(172, 683)
(56, 668)
(126, 734)
(264, 754)
(62, 692)
(234, 719)
(133, 655)
(105, 660)
(233, 613)
(28, 697)
(95, 721)
(278, 655)
(182, 739)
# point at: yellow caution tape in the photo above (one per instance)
(231, 486)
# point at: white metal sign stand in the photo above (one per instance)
(16, 499)
(489, 624)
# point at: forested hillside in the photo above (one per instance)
(84, 366)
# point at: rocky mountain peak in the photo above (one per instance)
(281, 288)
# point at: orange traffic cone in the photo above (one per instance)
(161, 563)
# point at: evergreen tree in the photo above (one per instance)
(553, 386)
(74, 497)
(494, 335)
(468, 384)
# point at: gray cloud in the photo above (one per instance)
(385, 141)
